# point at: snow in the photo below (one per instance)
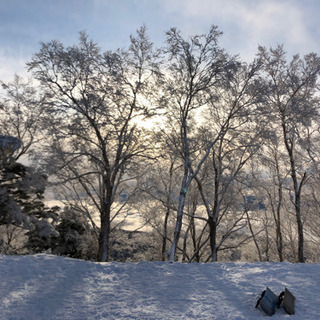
(51, 287)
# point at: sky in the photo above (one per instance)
(245, 25)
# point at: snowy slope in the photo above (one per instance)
(50, 287)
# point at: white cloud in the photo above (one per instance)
(247, 23)
(10, 66)
(275, 20)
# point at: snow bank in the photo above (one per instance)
(51, 287)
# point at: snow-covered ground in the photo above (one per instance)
(50, 287)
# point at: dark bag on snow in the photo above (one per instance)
(268, 302)
(287, 299)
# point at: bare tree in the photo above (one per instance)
(291, 103)
(273, 186)
(94, 102)
(233, 118)
(159, 188)
(20, 114)
(196, 67)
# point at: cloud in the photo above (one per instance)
(275, 20)
(11, 65)
(247, 23)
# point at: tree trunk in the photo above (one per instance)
(165, 235)
(297, 193)
(279, 235)
(172, 252)
(253, 235)
(213, 238)
(278, 224)
(104, 236)
(194, 241)
(278, 217)
(300, 228)
(166, 218)
(185, 238)
(267, 240)
(183, 193)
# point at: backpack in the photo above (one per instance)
(287, 299)
(269, 301)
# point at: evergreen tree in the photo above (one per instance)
(22, 193)
(76, 238)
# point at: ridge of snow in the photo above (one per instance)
(51, 287)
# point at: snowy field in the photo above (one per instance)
(50, 287)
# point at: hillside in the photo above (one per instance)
(51, 287)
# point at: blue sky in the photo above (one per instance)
(245, 24)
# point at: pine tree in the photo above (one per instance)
(22, 193)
